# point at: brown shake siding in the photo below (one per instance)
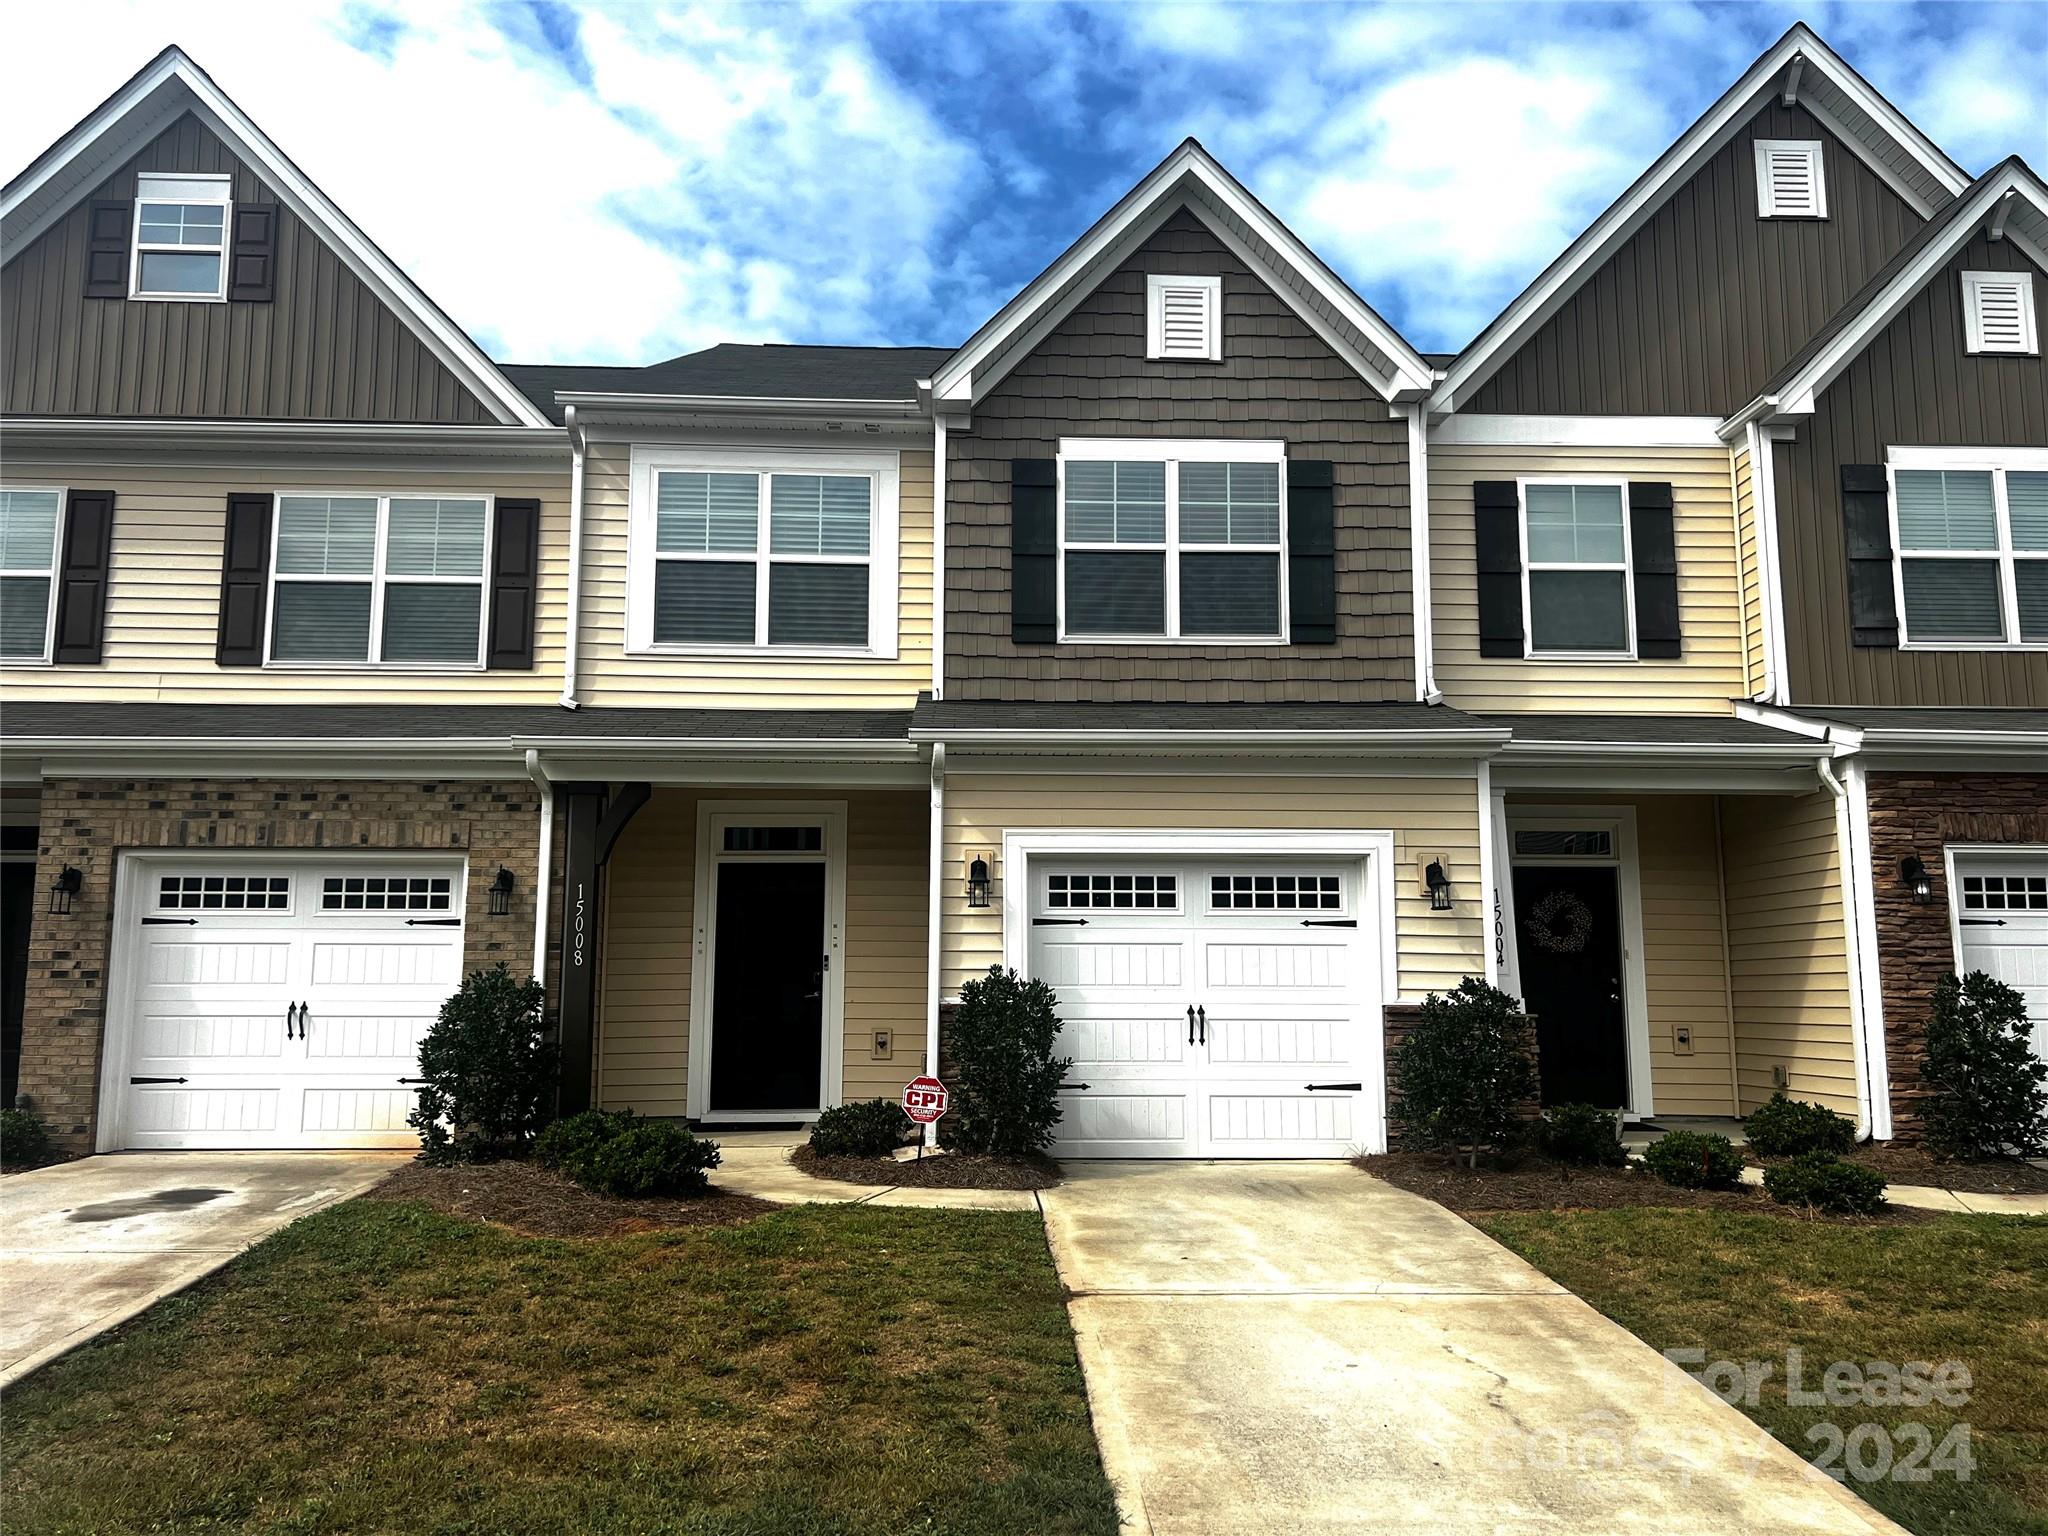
(1914, 385)
(326, 348)
(1277, 379)
(1703, 302)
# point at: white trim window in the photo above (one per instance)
(1971, 531)
(1578, 587)
(1183, 318)
(181, 238)
(31, 525)
(1790, 182)
(1176, 541)
(788, 552)
(376, 580)
(1998, 313)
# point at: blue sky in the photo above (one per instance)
(620, 183)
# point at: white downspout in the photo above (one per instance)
(578, 444)
(1867, 952)
(544, 873)
(1418, 552)
(1859, 1036)
(938, 561)
(934, 883)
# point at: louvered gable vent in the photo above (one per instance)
(1998, 312)
(1789, 184)
(1184, 318)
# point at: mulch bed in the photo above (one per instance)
(948, 1170)
(539, 1203)
(1916, 1165)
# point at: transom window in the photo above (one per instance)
(1973, 552)
(386, 893)
(1576, 568)
(181, 225)
(774, 839)
(1542, 842)
(2005, 893)
(226, 893)
(1172, 541)
(1136, 892)
(764, 556)
(29, 521)
(1276, 893)
(379, 579)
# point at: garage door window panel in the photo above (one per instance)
(224, 893)
(1276, 892)
(1133, 892)
(386, 893)
(379, 580)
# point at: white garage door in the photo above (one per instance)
(279, 1004)
(1211, 1009)
(2002, 918)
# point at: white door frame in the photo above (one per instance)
(1374, 848)
(1619, 822)
(713, 817)
(132, 885)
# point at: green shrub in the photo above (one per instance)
(1005, 1092)
(489, 1074)
(647, 1158)
(1823, 1182)
(1985, 1093)
(1584, 1134)
(24, 1140)
(1786, 1127)
(868, 1128)
(1465, 1075)
(1689, 1160)
(570, 1142)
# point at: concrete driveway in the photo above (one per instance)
(1296, 1347)
(86, 1245)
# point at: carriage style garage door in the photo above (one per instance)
(1211, 1008)
(2002, 924)
(277, 1004)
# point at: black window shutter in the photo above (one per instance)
(1497, 531)
(244, 582)
(252, 254)
(1034, 551)
(82, 578)
(515, 583)
(1653, 550)
(1867, 528)
(110, 222)
(1311, 552)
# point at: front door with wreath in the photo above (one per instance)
(1568, 938)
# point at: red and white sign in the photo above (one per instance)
(924, 1099)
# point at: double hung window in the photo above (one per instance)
(1972, 541)
(1576, 565)
(29, 524)
(393, 580)
(181, 237)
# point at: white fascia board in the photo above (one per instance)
(1675, 754)
(736, 405)
(1542, 298)
(1440, 743)
(97, 431)
(431, 750)
(1573, 431)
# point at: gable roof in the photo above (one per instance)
(733, 370)
(2009, 194)
(167, 88)
(1189, 178)
(1799, 66)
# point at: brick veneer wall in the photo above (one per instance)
(87, 823)
(1921, 813)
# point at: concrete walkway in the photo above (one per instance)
(86, 1245)
(757, 1163)
(1295, 1347)
(1926, 1197)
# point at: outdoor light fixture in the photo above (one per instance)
(501, 892)
(977, 882)
(1439, 885)
(63, 889)
(1914, 874)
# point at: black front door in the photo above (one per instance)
(1568, 936)
(768, 987)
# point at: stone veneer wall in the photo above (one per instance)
(1921, 813)
(1400, 1019)
(87, 823)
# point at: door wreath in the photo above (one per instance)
(1560, 923)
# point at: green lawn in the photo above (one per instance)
(382, 1367)
(1968, 1288)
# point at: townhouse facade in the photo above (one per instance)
(1674, 657)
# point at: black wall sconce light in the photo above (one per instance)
(501, 893)
(1438, 883)
(63, 888)
(977, 882)
(1916, 879)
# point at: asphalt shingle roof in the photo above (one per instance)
(465, 722)
(767, 371)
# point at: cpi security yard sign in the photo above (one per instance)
(924, 1099)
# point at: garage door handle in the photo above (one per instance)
(1191, 1023)
(1332, 1087)
(1202, 1016)
(156, 1080)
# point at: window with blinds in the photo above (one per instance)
(1789, 179)
(379, 580)
(28, 571)
(1998, 312)
(1183, 318)
(1972, 546)
(181, 241)
(1576, 566)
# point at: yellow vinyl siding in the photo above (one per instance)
(163, 591)
(611, 677)
(1787, 949)
(643, 1035)
(1703, 679)
(1436, 814)
(1748, 565)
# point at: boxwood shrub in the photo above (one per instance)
(865, 1128)
(1690, 1160)
(617, 1153)
(1786, 1127)
(1823, 1182)
(24, 1140)
(1583, 1134)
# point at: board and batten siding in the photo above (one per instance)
(1749, 566)
(1710, 669)
(650, 908)
(1435, 814)
(1914, 385)
(1788, 951)
(609, 676)
(326, 348)
(163, 590)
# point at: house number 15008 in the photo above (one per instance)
(578, 928)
